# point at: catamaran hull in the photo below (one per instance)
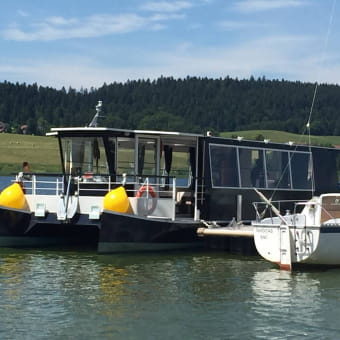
(128, 233)
(20, 228)
(307, 245)
(13, 222)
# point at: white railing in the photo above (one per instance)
(55, 185)
(168, 195)
(263, 209)
(44, 185)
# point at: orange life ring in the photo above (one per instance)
(145, 188)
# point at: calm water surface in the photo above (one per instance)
(82, 295)
(70, 294)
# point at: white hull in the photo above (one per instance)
(327, 252)
(307, 245)
(311, 237)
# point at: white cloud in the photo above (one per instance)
(166, 17)
(263, 5)
(61, 21)
(230, 25)
(166, 6)
(273, 57)
(158, 27)
(285, 57)
(56, 27)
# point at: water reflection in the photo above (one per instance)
(10, 269)
(280, 299)
(46, 294)
(295, 304)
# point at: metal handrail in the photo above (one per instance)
(43, 186)
(35, 187)
(278, 205)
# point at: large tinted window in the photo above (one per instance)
(84, 155)
(251, 167)
(261, 168)
(224, 168)
(126, 156)
(302, 168)
(278, 172)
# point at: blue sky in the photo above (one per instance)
(86, 43)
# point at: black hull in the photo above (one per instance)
(19, 228)
(128, 233)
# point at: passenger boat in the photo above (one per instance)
(308, 236)
(130, 190)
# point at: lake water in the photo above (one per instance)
(68, 294)
(83, 295)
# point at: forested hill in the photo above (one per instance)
(191, 105)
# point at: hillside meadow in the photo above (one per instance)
(43, 153)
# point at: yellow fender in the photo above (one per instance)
(13, 197)
(117, 200)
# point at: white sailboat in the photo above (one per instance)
(309, 236)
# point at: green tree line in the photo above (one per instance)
(192, 105)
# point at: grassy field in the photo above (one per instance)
(43, 154)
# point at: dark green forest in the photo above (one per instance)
(190, 105)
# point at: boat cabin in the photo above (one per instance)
(100, 159)
(233, 167)
(197, 176)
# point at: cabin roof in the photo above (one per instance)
(118, 132)
(269, 144)
(173, 135)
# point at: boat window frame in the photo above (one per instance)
(118, 159)
(263, 149)
(289, 175)
(261, 157)
(184, 149)
(312, 175)
(67, 145)
(138, 137)
(211, 167)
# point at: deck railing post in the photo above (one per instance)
(239, 208)
(34, 184)
(196, 210)
(174, 198)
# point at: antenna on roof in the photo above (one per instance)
(97, 115)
